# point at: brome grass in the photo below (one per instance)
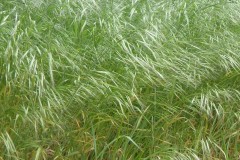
(118, 79)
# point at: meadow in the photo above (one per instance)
(119, 79)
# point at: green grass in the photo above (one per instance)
(118, 79)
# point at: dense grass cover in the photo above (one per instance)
(120, 79)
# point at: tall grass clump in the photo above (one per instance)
(118, 79)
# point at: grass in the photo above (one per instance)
(118, 79)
